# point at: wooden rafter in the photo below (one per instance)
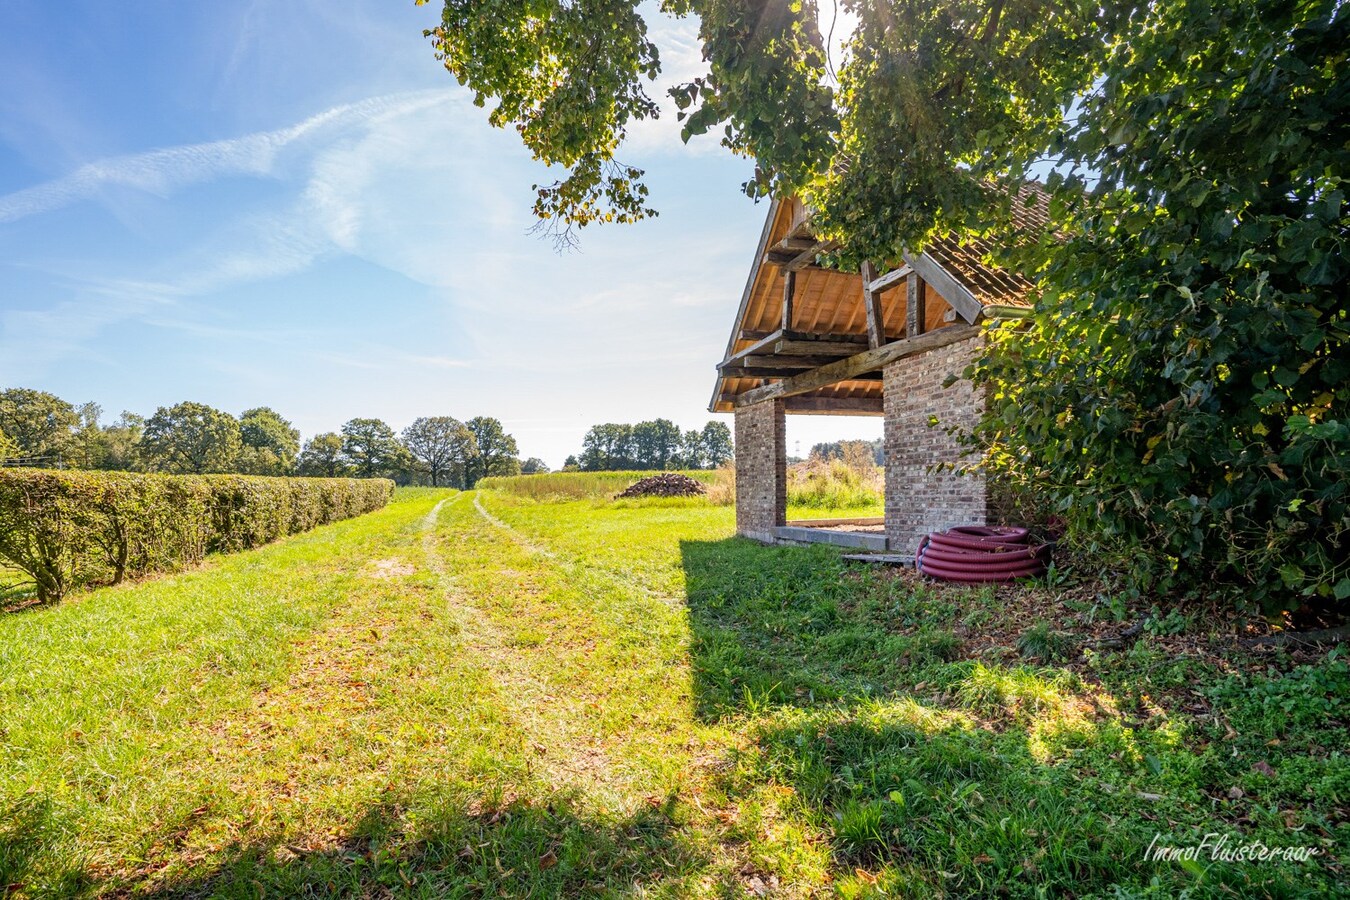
(772, 362)
(858, 364)
(951, 290)
(834, 406)
(815, 347)
(887, 281)
(916, 306)
(876, 318)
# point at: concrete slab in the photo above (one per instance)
(860, 539)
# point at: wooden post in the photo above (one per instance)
(876, 322)
(916, 314)
(789, 287)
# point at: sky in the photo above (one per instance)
(290, 203)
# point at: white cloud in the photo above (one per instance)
(382, 180)
(164, 171)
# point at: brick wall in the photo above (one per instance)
(761, 469)
(919, 500)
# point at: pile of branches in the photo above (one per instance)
(667, 484)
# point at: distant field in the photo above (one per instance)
(478, 695)
(554, 486)
(814, 492)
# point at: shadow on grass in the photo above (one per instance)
(795, 625)
(520, 848)
(932, 775)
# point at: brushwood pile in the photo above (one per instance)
(667, 484)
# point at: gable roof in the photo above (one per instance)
(828, 315)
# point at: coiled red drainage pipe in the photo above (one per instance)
(978, 554)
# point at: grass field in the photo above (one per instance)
(814, 490)
(481, 695)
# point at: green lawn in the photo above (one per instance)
(481, 695)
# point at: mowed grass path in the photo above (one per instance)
(468, 694)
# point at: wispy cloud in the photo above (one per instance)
(365, 179)
(162, 172)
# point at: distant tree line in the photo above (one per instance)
(849, 451)
(41, 429)
(658, 444)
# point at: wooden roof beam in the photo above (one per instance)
(772, 362)
(876, 318)
(814, 347)
(858, 364)
(916, 306)
(800, 343)
(795, 261)
(794, 245)
(734, 371)
(951, 290)
(834, 406)
(885, 282)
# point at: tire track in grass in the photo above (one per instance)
(379, 701)
(569, 755)
(511, 532)
(664, 750)
(625, 646)
(617, 577)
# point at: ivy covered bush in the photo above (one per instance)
(1182, 389)
(69, 529)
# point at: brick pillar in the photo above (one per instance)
(761, 469)
(918, 412)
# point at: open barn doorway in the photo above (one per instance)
(836, 484)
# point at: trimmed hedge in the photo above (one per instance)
(67, 529)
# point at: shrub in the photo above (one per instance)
(69, 529)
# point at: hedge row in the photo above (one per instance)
(70, 529)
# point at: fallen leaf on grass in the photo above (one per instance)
(548, 860)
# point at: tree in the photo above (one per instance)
(691, 450)
(322, 457)
(116, 447)
(42, 426)
(1187, 357)
(443, 446)
(571, 464)
(608, 447)
(270, 443)
(846, 450)
(534, 466)
(656, 444)
(1182, 387)
(715, 442)
(497, 450)
(190, 439)
(371, 449)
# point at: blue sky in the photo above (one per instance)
(290, 203)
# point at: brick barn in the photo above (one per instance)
(810, 340)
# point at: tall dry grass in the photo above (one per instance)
(854, 485)
(835, 484)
